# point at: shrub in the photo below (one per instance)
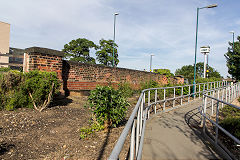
(126, 90)
(41, 86)
(108, 105)
(232, 125)
(228, 111)
(27, 89)
(231, 121)
(4, 69)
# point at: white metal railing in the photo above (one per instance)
(147, 104)
(220, 98)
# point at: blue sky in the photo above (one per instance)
(165, 28)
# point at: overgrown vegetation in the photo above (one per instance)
(126, 89)
(231, 120)
(31, 89)
(108, 105)
(85, 132)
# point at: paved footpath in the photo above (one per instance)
(175, 135)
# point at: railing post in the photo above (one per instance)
(174, 96)
(195, 89)
(138, 129)
(207, 87)
(141, 115)
(199, 90)
(216, 130)
(204, 114)
(204, 88)
(226, 96)
(155, 108)
(212, 105)
(222, 95)
(131, 156)
(164, 98)
(211, 88)
(229, 94)
(149, 96)
(189, 93)
(181, 95)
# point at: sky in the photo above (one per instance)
(165, 28)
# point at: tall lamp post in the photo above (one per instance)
(233, 40)
(114, 26)
(151, 62)
(209, 6)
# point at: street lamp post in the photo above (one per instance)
(233, 40)
(114, 26)
(151, 62)
(209, 6)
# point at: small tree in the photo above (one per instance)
(188, 71)
(105, 54)
(233, 59)
(78, 50)
(108, 105)
(166, 72)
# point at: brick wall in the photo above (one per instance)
(84, 77)
(79, 76)
(43, 59)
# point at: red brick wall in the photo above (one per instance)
(43, 59)
(78, 76)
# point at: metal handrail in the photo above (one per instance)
(228, 94)
(141, 113)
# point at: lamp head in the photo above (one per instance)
(211, 6)
(231, 32)
(116, 14)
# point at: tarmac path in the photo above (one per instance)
(176, 135)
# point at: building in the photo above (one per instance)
(4, 43)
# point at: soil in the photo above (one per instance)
(54, 133)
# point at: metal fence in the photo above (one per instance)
(210, 113)
(153, 101)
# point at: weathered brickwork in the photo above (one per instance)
(83, 77)
(43, 59)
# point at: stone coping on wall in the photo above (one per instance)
(44, 51)
(103, 66)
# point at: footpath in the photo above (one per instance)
(176, 135)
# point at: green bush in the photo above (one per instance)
(108, 105)
(231, 120)
(4, 69)
(39, 84)
(228, 111)
(15, 88)
(232, 125)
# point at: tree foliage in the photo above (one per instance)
(166, 72)
(188, 71)
(105, 53)
(233, 59)
(78, 50)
